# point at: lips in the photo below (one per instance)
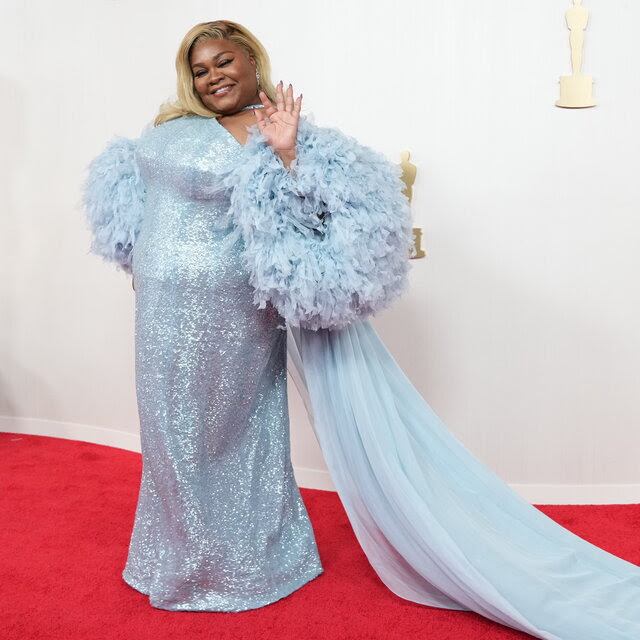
(225, 89)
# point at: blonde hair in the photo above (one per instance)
(188, 102)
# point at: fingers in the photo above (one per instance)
(288, 102)
(269, 109)
(284, 102)
(260, 118)
(285, 99)
(279, 96)
(290, 105)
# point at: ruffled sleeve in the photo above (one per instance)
(113, 197)
(328, 240)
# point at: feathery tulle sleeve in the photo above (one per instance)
(113, 199)
(327, 241)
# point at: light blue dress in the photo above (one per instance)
(220, 524)
(324, 244)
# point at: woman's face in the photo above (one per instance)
(221, 63)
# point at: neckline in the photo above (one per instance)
(240, 144)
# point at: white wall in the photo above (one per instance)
(521, 328)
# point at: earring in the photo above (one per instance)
(258, 78)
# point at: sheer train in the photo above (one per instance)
(437, 525)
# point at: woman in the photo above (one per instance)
(234, 235)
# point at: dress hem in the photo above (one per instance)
(254, 603)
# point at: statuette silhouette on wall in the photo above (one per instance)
(575, 90)
(409, 171)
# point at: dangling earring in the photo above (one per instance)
(258, 78)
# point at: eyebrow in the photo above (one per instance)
(199, 64)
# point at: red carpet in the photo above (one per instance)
(67, 510)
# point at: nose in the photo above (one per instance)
(214, 78)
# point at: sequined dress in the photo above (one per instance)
(220, 524)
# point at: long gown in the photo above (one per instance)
(220, 524)
(436, 524)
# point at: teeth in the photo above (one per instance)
(222, 89)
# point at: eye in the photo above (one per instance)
(224, 63)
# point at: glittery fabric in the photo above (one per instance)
(220, 524)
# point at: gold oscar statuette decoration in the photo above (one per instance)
(409, 171)
(575, 90)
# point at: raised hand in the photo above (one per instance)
(281, 130)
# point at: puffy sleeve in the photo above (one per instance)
(328, 240)
(113, 197)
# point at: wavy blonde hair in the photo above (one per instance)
(188, 102)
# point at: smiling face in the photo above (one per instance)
(222, 63)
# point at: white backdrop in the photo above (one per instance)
(521, 326)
